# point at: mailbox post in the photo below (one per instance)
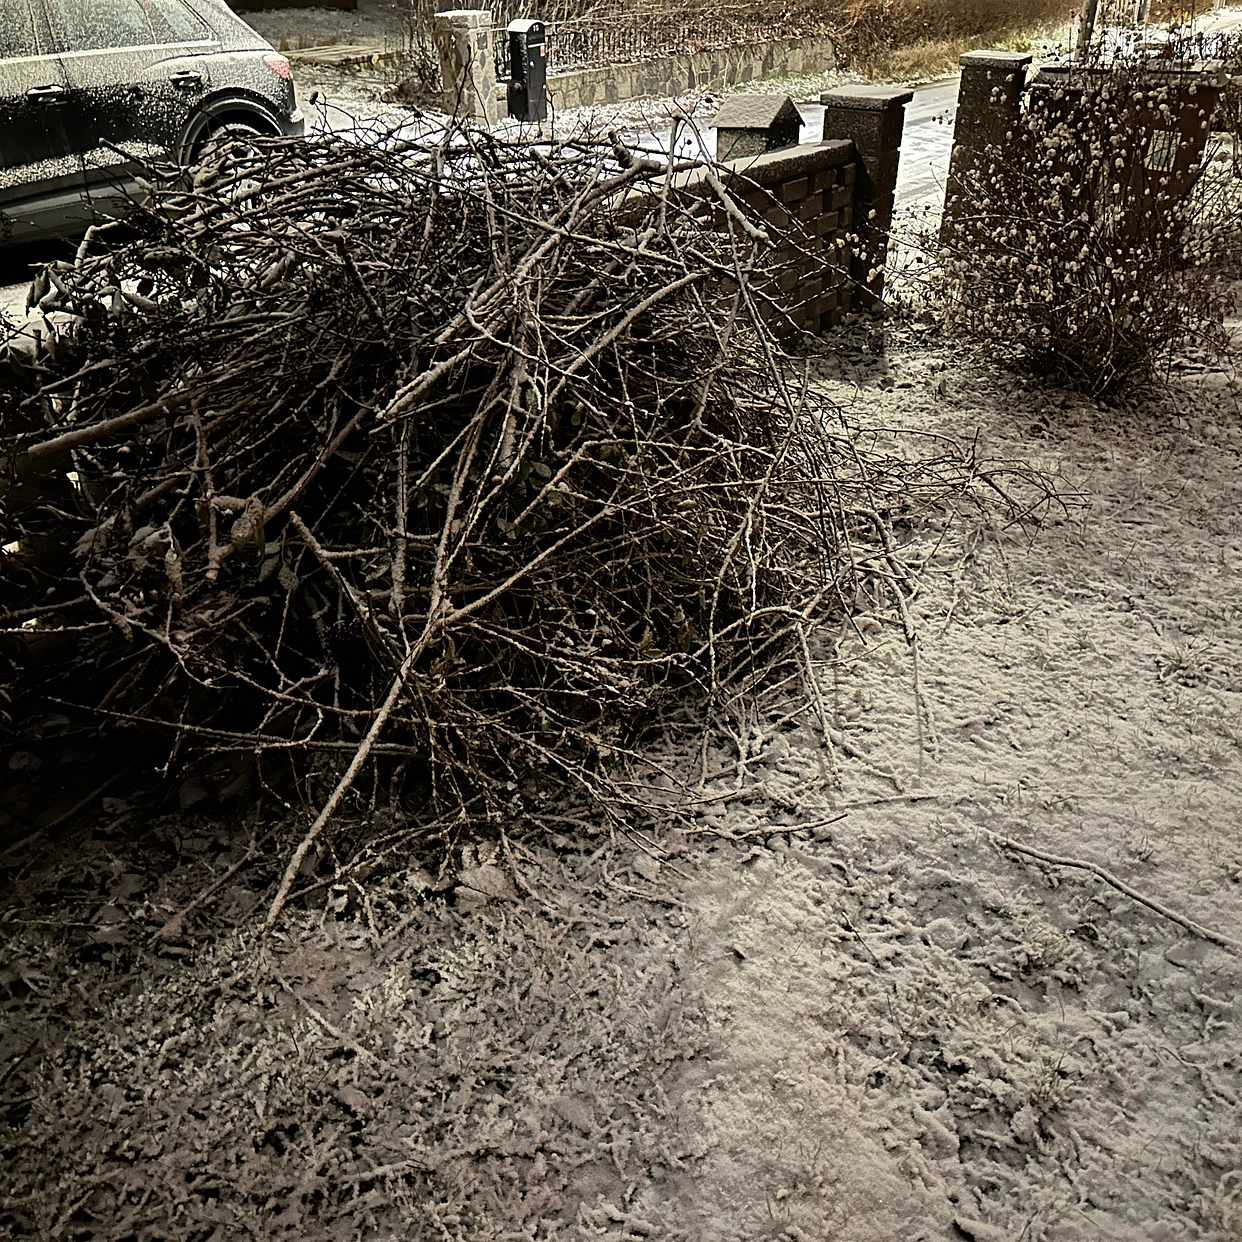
(528, 67)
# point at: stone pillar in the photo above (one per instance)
(873, 118)
(988, 99)
(464, 44)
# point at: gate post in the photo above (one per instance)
(988, 100)
(463, 42)
(873, 118)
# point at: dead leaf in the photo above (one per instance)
(126, 886)
(645, 866)
(111, 926)
(192, 791)
(489, 880)
(576, 1112)
(353, 1099)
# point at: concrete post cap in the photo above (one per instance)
(867, 98)
(988, 58)
(1180, 72)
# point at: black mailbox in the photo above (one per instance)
(528, 71)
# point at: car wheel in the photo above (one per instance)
(231, 133)
(228, 161)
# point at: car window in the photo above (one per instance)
(17, 31)
(98, 25)
(183, 26)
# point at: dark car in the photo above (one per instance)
(92, 90)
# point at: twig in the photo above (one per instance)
(346, 782)
(1057, 860)
(175, 924)
(913, 797)
(344, 1039)
(380, 644)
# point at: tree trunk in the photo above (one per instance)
(1086, 27)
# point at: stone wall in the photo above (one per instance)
(463, 43)
(806, 195)
(677, 75)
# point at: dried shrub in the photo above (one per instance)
(1082, 239)
(414, 65)
(869, 31)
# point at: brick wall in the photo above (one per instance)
(829, 205)
(808, 190)
(873, 118)
(806, 194)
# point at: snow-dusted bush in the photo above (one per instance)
(1084, 236)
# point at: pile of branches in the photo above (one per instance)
(436, 469)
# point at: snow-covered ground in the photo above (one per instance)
(13, 299)
(843, 1007)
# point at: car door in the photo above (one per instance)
(135, 73)
(33, 97)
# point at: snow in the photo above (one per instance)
(13, 298)
(840, 1006)
(966, 1040)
